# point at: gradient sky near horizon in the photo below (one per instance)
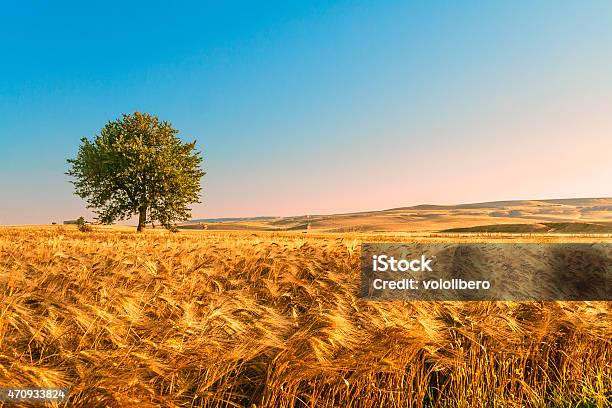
(315, 107)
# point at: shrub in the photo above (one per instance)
(83, 226)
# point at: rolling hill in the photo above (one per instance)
(579, 215)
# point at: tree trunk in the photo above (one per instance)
(142, 217)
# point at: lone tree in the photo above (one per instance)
(138, 165)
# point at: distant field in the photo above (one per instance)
(584, 215)
(272, 319)
(542, 228)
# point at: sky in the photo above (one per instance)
(315, 107)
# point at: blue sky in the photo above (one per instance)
(315, 107)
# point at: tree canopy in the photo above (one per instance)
(137, 165)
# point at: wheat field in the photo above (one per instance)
(238, 319)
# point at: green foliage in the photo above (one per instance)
(82, 225)
(138, 165)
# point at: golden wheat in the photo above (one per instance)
(217, 319)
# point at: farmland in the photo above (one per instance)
(273, 319)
